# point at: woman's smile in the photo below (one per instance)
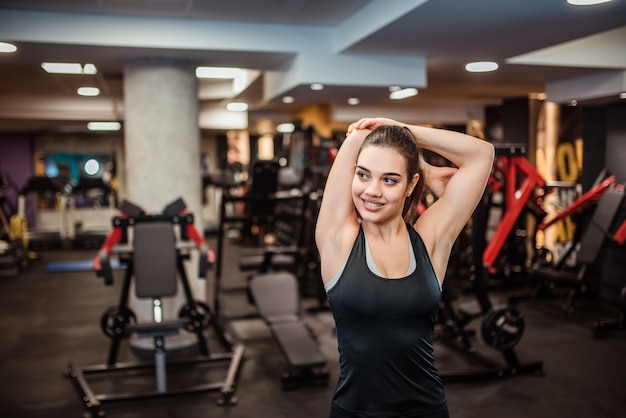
(372, 204)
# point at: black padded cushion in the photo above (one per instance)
(298, 345)
(277, 299)
(154, 259)
(596, 233)
(276, 296)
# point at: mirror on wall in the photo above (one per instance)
(89, 178)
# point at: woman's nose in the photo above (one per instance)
(373, 189)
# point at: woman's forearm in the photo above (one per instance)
(436, 178)
(457, 147)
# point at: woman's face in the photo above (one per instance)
(379, 186)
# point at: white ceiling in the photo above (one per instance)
(357, 48)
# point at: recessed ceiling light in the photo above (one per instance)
(586, 2)
(317, 86)
(68, 68)
(218, 72)
(237, 106)
(285, 128)
(88, 91)
(353, 101)
(573, 102)
(104, 126)
(288, 99)
(622, 95)
(7, 47)
(403, 93)
(481, 66)
(89, 69)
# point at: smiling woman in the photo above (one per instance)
(383, 266)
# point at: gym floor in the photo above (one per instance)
(49, 320)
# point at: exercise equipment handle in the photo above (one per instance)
(593, 194)
(102, 262)
(102, 266)
(207, 255)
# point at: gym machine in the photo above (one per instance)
(521, 180)
(577, 207)
(601, 327)
(7, 208)
(501, 326)
(100, 196)
(273, 287)
(612, 287)
(155, 260)
(581, 279)
(13, 254)
(54, 192)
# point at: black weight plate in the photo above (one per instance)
(503, 328)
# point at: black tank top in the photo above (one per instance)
(385, 335)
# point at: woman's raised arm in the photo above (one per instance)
(337, 222)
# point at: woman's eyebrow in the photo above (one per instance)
(392, 174)
(389, 174)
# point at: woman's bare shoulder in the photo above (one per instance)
(334, 248)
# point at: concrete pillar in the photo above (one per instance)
(162, 156)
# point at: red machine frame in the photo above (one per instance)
(511, 166)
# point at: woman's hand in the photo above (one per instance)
(436, 178)
(371, 124)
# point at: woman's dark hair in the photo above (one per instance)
(402, 141)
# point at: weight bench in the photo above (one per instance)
(288, 224)
(591, 243)
(156, 262)
(276, 296)
(271, 257)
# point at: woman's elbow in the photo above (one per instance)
(488, 151)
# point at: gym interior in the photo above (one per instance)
(168, 268)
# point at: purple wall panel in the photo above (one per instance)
(16, 162)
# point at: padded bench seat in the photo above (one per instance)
(554, 275)
(280, 257)
(298, 345)
(277, 299)
(152, 329)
